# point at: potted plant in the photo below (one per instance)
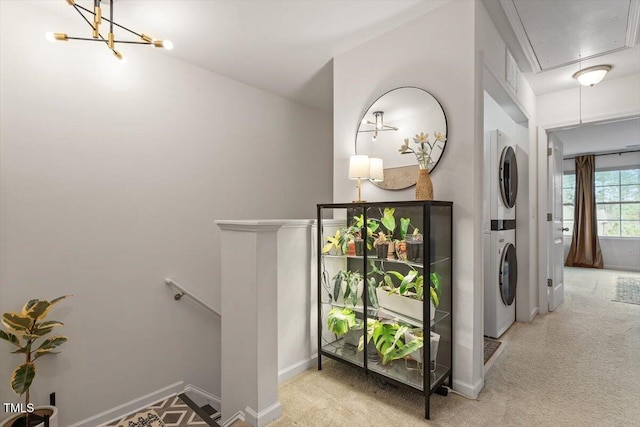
(414, 246)
(372, 227)
(343, 323)
(406, 298)
(23, 330)
(389, 340)
(347, 287)
(401, 244)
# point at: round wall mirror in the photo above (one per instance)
(398, 118)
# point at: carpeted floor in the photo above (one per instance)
(577, 366)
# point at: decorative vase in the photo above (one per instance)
(424, 186)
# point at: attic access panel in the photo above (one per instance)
(561, 32)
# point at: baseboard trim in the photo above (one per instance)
(262, 418)
(534, 313)
(132, 406)
(621, 267)
(238, 416)
(297, 368)
(468, 390)
(202, 397)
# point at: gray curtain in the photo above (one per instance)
(585, 246)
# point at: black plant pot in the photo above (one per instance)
(382, 250)
(359, 247)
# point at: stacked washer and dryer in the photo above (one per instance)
(499, 233)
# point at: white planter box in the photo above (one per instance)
(418, 354)
(402, 305)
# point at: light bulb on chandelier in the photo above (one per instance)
(94, 18)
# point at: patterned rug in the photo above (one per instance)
(490, 347)
(628, 290)
(142, 419)
(171, 412)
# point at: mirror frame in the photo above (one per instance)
(444, 115)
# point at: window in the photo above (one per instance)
(568, 200)
(617, 202)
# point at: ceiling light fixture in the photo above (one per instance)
(95, 21)
(591, 76)
(378, 124)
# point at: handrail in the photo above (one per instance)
(183, 292)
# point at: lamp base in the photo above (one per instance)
(358, 201)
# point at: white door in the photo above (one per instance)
(555, 265)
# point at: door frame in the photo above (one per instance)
(542, 199)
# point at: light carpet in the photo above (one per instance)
(577, 366)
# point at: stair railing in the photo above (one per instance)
(183, 292)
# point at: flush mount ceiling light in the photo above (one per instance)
(378, 125)
(95, 21)
(591, 76)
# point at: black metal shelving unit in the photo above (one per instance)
(433, 256)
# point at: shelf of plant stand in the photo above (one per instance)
(408, 372)
(347, 352)
(357, 308)
(411, 263)
(392, 315)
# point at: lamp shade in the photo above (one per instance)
(592, 75)
(359, 167)
(376, 171)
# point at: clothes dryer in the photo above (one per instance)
(501, 278)
(501, 179)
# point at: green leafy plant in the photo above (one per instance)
(410, 285)
(388, 221)
(404, 227)
(341, 320)
(372, 227)
(389, 340)
(352, 280)
(23, 330)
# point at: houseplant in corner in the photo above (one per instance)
(23, 330)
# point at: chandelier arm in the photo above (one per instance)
(102, 39)
(98, 40)
(110, 21)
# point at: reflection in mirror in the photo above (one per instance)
(398, 118)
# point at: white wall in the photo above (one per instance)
(618, 253)
(612, 98)
(434, 52)
(111, 177)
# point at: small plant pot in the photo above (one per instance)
(359, 246)
(414, 248)
(391, 252)
(401, 250)
(382, 250)
(41, 411)
(352, 337)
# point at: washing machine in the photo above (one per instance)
(501, 278)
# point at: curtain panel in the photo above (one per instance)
(585, 246)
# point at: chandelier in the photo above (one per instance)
(94, 19)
